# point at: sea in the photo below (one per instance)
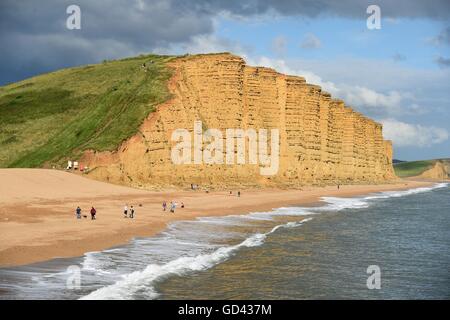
(385, 245)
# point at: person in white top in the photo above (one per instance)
(125, 211)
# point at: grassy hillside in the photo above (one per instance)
(412, 168)
(415, 168)
(52, 117)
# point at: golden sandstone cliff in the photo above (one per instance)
(321, 141)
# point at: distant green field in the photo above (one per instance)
(52, 117)
(415, 168)
(412, 168)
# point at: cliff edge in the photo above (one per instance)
(321, 140)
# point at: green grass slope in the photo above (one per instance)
(412, 168)
(52, 117)
(415, 168)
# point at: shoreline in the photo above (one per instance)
(41, 225)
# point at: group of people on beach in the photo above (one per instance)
(94, 212)
(238, 193)
(125, 212)
(79, 215)
(172, 207)
(129, 212)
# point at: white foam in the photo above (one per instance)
(221, 221)
(283, 211)
(143, 281)
(293, 211)
(92, 261)
(402, 193)
(337, 204)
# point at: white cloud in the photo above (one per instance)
(358, 96)
(405, 134)
(281, 66)
(311, 42)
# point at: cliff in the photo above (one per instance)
(440, 171)
(321, 140)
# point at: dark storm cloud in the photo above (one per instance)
(434, 9)
(155, 20)
(34, 39)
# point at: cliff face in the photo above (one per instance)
(439, 171)
(322, 141)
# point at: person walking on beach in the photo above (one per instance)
(131, 212)
(239, 193)
(182, 205)
(78, 212)
(164, 205)
(172, 207)
(93, 212)
(125, 211)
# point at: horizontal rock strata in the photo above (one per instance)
(322, 141)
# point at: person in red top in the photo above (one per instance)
(93, 212)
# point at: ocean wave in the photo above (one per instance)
(144, 281)
(402, 193)
(337, 204)
(334, 204)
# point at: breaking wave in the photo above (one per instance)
(143, 281)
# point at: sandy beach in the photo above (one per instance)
(37, 211)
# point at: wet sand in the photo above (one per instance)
(38, 222)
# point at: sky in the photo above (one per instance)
(398, 74)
